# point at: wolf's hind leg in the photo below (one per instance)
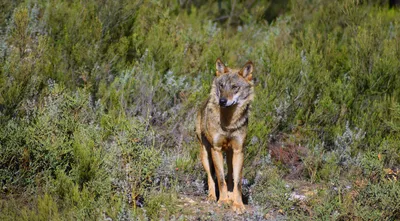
(206, 160)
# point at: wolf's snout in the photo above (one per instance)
(222, 101)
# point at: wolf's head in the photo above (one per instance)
(232, 86)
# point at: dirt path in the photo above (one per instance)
(194, 207)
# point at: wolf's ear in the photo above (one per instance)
(247, 71)
(221, 69)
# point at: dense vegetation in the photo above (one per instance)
(98, 98)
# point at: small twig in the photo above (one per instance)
(221, 18)
(230, 16)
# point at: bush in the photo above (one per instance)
(98, 103)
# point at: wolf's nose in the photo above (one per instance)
(222, 101)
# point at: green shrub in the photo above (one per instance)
(98, 102)
(379, 201)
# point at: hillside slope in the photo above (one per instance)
(98, 98)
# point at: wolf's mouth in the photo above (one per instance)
(226, 105)
(223, 102)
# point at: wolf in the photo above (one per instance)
(221, 126)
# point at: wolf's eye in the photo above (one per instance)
(221, 85)
(235, 87)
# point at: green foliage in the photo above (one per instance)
(161, 205)
(272, 190)
(98, 102)
(46, 210)
(380, 200)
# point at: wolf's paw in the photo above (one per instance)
(224, 202)
(238, 208)
(211, 198)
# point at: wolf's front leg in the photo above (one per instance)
(205, 156)
(237, 164)
(218, 161)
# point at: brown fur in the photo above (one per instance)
(222, 127)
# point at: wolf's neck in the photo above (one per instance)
(233, 117)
